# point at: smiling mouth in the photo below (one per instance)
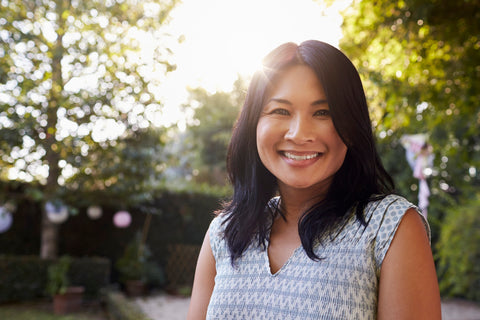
(296, 157)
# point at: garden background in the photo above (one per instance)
(79, 110)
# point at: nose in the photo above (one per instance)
(300, 130)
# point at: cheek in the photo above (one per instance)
(265, 139)
(264, 130)
(337, 145)
(341, 152)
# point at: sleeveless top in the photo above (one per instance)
(342, 285)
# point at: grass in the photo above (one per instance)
(42, 310)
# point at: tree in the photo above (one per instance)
(77, 82)
(419, 60)
(207, 137)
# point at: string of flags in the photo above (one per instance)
(58, 213)
(419, 154)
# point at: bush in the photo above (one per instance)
(458, 251)
(120, 308)
(136, 264)
(25, 277)
(22, 278)
(93, 273)
(58, 276)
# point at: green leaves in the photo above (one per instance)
(209, 134)
(58, 280)
(459, 269)
(413, 52)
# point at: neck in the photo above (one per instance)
(294, 202)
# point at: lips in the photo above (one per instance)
(301, 156)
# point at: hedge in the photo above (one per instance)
(458, 251)
(25, 277)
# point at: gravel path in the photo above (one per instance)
(460, 310)
(166, 307)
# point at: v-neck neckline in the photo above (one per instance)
(276, 203)
(284, 266)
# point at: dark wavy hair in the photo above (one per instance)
(360, 179)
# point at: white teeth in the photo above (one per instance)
(298, 158)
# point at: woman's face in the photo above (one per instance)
(296, 139)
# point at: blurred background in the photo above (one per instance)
(115, 118)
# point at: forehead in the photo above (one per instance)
(296, 81)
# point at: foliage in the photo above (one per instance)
(22, 278)
(459, 251)
(78, 86)
(25, 277)
(93, 273)
(58, 276)
(418, 60)
(203, 148)
(185, 291)
(136, 263)
(120, 308)
(124, 174)
(29, 312)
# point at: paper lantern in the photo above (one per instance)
(94, 212)
(122, 219)
(56, 213)
(5, 219)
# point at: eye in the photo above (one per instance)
(322, 113)
(280, 111)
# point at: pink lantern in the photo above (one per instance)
(5, 219)
(122, 219)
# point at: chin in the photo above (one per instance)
(298, 185)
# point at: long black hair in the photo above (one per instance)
(360, 179)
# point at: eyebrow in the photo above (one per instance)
(285, 101)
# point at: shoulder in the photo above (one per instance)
(217, 222)
(390, 203)
(216, 234)
(383, 217)
(388, 210)
(217, 226)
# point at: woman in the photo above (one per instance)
(335, 243)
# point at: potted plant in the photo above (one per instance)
(135, 268)
(66, 298)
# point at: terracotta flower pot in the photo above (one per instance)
(70, 301)
(135, 288)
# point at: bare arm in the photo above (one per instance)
(408, 282)
(203, 282)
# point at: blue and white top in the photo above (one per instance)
(343, 285)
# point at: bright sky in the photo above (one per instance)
(224, 38)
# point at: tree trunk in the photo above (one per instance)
(49, 236)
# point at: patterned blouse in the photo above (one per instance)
(342, 285)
